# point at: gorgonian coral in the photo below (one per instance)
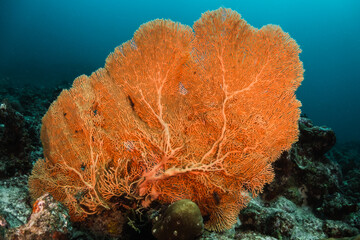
(176, 113)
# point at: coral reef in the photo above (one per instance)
(175, 114)
(108, 224)
(21, 110)
(306, 162)
(347, 155)
(182, 220)
(286, 209)
(306, 200)
(282, 219)
(14, 200)
(15, 142)
(49, 220)
(315, 194)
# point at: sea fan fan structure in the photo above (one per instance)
(176, 113)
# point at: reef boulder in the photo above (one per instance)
(182, 220)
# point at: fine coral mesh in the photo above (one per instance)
(176, 113)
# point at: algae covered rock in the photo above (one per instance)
(182, 220)
(49, 220)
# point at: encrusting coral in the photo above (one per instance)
(175, 114)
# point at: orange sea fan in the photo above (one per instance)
(175, 114)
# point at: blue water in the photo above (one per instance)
(45, 42)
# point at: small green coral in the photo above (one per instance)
(182, 220)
